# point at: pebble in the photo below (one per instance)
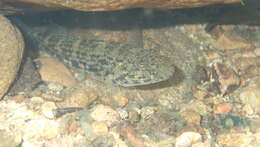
(248, 109)
(255, 123)
(11, 53)
(67, 141)
(224, 108)
(250, 96)
(19, 98)
(257, 52)
(49, 72)
(38, 128)
(119, 142)
(32, 143)
(197, 106)
(99, 128)
(192, 118)
(80, 97)
(104, 113)
(134, 116)
(168, 142)
(47, 109)
(36, 101)
(7, 139)
(123, 114)
(186, 139)
(237, 139)
(73, 127)
(120, 99)
(131, 135)
(201, 144)
(200, 94)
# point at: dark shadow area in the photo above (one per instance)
(147, 18)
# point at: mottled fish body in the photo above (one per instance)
(118, 63)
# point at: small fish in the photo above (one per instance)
(62, 111)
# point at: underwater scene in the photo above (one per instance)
(136, 77)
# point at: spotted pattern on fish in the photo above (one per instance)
(112, 62)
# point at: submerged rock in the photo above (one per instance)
(11, 52)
